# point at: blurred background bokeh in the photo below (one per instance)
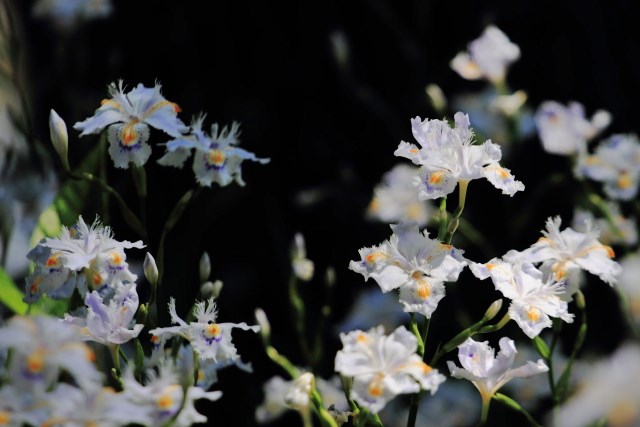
(325, 89)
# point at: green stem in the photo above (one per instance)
(298, 318)
(442, 230)
(413, 324)
(104, 197)
(128, 214)
(172, 220)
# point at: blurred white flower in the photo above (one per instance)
(487, 57)
(609, 391)
(413, 262)
(276, 388)
(217, 157)
(629, 284)
(209, 339)
(533, 300)
(448, 156)
(489, 373)
(396, 199)
(67, 13)
(493, 115)
(566, 130)
(128, 116)
(19, 407)
(372, 308)
(163, 396)
(42, 348)
(625, 232)
(384, 366)
(298, 396)
(615, 163)
(100, 407)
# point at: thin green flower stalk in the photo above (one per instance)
(131, 218)
(298, 318)
(139, 175)
(474, 329)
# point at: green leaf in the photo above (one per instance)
(10, 295)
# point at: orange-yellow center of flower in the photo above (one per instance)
(35, 362)
(212, 331)
(129, 134)
(35, 284)
(533, 314)
(53, 261)
(374, 257)
(362, 338)
(375, 389)
(413, 150)
(155, 339)
(624, 180)
(116, 258)
(165, 401)
(216, 157)
(436, 177)
(5, 418)
(624, 413)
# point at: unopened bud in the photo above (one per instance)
(436, 98)
(141, 316)
(150, 269)
(263, 322)
(330, 277)
(298, 396)
(211, 289)
(493, 310)
(580, 302)
(59, 137)
(205, 267)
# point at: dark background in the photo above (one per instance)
(330, 132)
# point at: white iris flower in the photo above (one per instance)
(211, 340)
(563, 252)
(489, 373)
(217, 157)
(384, 366)
(447, 156)
(533, 300)
(128, 116)
(415, 264)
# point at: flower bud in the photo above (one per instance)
(205, 267)
(59, 137)
(150, 269)
(211, 289)
(298, 396)
(493, 310)
(141, 315)
(263, 322)
(436, 98)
